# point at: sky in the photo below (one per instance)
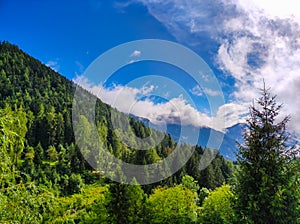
(243, 42)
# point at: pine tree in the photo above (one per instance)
(135, 199)
(125, 203)
(266, 186)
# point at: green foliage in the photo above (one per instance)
(218, 207)
(190, 183)
(266, 181)
(171, 205)
(135, 201)
(125, 203)
(52, 153)
(77, 208)
(19, 202)
(24, 203)
(12, 138)
(13, 130)
(203, 193)
(98, 213)
(214, 175)
(71, 185)
(40, 160)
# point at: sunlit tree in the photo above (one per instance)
(267, 189)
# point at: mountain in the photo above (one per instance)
(231, 137)
(201, 135)
(228, 147)
(47, 97)
(50, 154)
(141, 119)
(42, 165)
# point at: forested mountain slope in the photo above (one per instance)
(44, 177)
(46, 98)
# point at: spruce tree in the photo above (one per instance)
(266, 181)
(125, 203)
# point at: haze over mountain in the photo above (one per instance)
(230, 137)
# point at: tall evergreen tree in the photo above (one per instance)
(266, 180)
(125, 203)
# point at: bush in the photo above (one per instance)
(218, 207)
(172, 205)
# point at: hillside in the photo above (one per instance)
(45, 178)
(46, 97)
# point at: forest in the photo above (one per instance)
(44, 178)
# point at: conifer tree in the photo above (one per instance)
(266, 181)
(125, 203)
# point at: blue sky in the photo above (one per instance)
(71, 34)
(242, 41)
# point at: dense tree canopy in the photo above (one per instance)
(44, 177)
(46, 100)
(171, 205)
(218, 207)
(38, 151)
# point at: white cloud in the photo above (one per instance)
(136, 53)
(233, 113)
(54, 65)
(175, 111)
(281, 9)
(212, 92)
(257, 40)
(270, 51)
(197, 90)
(204, 76)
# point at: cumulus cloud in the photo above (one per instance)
(256, 40)
(269, 50)
(176, 110)
(233, 113)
